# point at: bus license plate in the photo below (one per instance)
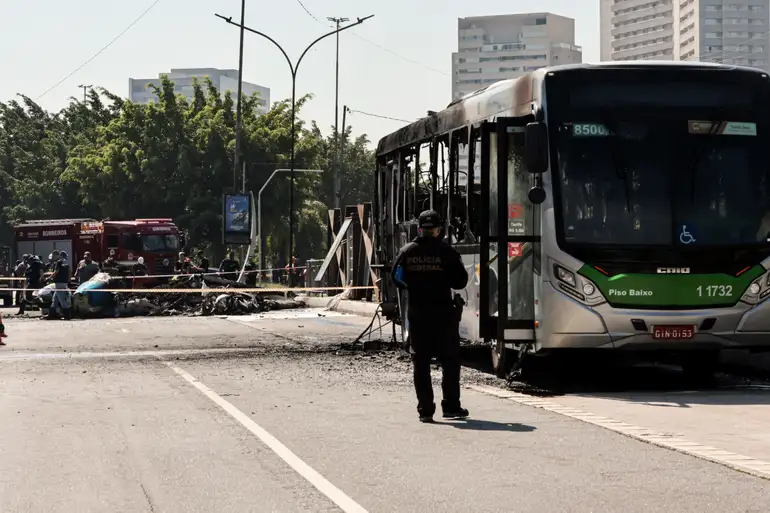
(673, 332)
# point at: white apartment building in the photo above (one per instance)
(724, 31)
(494, 48)
(223, 79)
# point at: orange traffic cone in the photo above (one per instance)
(2, 331)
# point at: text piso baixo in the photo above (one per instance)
(629, 292)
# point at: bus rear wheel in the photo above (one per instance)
(502, 359)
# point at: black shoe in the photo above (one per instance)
(459, 413)
(426, 413)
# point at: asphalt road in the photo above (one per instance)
(270, 414)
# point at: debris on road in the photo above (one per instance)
(218, 296)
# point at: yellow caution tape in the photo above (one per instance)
(208, 290)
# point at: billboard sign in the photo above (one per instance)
(236, 219)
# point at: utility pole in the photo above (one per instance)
(337, 136)
(85, 89)
(338, 177)
(238, 120)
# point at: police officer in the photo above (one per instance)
(429, 269)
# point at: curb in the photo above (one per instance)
(361, 308)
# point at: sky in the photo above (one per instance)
(397, 64)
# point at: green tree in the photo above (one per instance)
(109, 157)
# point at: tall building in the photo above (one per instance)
(223, 79)
(494, 48)
(724, 31)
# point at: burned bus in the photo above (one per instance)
(621, 205)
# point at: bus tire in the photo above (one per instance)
(502, 359)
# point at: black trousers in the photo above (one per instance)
(429, 340)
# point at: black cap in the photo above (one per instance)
(430, 219)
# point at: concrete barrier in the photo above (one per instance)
(362, 308)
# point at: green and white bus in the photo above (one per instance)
(617, 206)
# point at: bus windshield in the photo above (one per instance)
(160, 243)
(667, 182)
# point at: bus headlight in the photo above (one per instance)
(756, 292)
(588, 289)
(564, 275)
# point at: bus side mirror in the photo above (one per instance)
(536, 147)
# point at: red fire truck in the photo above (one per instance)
(157, 240)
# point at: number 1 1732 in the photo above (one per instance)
(715, 290)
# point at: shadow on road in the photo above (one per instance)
(488, 425)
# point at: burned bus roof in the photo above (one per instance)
(516, 93)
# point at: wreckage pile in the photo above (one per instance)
(105, 295)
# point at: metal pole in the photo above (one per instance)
(338, 180)
(259, 222)
(85, 91)
(337, 135)
(238, 120)
(291, 190)
(259, 210)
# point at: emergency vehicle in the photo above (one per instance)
(158, 240)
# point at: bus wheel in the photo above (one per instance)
(502, 359)
(701, 366)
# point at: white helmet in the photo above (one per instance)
(140, 260)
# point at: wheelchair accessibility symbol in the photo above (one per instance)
(686, 237)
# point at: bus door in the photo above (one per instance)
(509, 236)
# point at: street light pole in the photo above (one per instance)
(85, 89)
(238, 118)
(259, 213)
(293, 67)
(337, 137)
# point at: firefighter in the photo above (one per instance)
(139, 268)
(109, 265)
(34, 280)
(87, 268)
(203, 262)
(19, 272)
(61, 296)
(229, 267)
(429, 269)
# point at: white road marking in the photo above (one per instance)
(677, 443)
(24, 356)
(334, 494)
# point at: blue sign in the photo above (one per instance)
(237, 214)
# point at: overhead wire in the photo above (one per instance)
(354, 111)
(105, 47)
(417, 63)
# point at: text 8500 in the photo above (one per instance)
(715, 290)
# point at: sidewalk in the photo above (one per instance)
(362, 308)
